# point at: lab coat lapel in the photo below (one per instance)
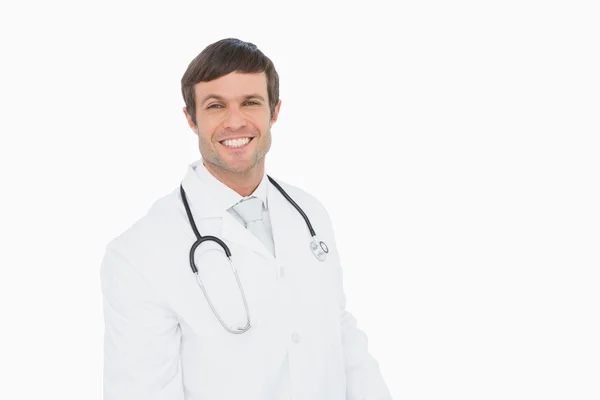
(286, 222)
(237, 234)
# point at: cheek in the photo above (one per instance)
(265, 125)
(259, 118)
(207, 129)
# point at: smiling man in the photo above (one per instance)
(230, 287)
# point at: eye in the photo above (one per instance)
(253, 103)
(214, 106)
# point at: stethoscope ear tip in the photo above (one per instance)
(243, 329)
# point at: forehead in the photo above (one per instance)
(233, 85)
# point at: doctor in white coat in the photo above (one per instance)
(163, 339)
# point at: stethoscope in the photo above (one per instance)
(318, 248)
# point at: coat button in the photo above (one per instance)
(295, 338)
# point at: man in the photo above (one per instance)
(185, 321)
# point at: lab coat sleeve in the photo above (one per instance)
(364, 380)
(141, 337)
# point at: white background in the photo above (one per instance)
(455, 145)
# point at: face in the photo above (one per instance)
(234, 122)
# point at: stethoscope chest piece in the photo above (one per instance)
(319, 249)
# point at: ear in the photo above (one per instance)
(276, 112)
(190, 121)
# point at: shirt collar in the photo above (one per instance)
(222, 195)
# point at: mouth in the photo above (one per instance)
(237, 143)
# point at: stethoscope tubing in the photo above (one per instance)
(293, 203)
(200, 239)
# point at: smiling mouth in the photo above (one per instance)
(236, 143)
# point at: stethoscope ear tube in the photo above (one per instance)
(189, 212)
(239, 330)
(225, 248)
(199, 242)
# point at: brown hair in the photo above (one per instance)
(223, 57)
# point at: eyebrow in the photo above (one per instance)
(221, 98)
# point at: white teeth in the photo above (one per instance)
(236, 142)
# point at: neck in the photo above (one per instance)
(243, 183)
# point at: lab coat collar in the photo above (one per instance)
(212, 196)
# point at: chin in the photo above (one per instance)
(239, 167)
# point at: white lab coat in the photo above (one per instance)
(162, 340)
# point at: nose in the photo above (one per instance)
(234, 119)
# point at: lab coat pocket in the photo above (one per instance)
(216, 275)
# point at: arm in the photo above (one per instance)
(141, 337)
(363, 378)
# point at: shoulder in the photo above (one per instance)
(149, 232)
(138, 262)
